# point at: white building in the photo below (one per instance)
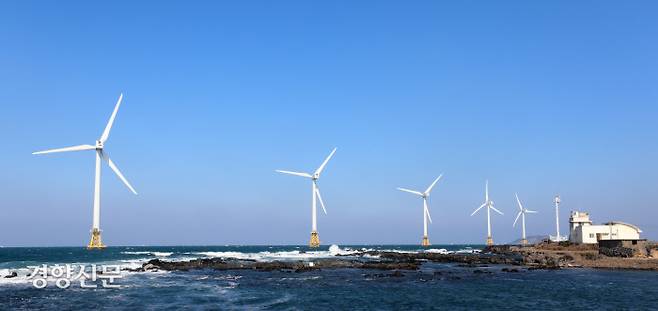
(582, 230)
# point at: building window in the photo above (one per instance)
(591, 235)
(634, 242)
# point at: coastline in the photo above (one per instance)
(291, 277)
(540, 256)
(575, 256)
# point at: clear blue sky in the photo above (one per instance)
(539, 98)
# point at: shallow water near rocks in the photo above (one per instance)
(434, 286)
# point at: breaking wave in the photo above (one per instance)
(156, 254)
(439, 251)
(334, 250)
(133, 260)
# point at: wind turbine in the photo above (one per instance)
(490, 206)
(315, 239)
(95, 242)
(522, 212)
(426, 211)
(557, 237)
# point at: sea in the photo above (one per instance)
(435, 286)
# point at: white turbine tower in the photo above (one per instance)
(522, 212)
(315, 239)
(426, 211)
(490, 206)
(95, 242)
(557, 237)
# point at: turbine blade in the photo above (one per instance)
(317, 191)
(427, 211)
(529, 211)
(108, 127)
(479, 208)
(410, 191)
(66, 149)
(321, 168)
(519, 202)
(307, 175)
(486, 191)
(517, 218)
(117, 171)
(427, 192)
(497, 211)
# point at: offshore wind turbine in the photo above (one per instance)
(426, 211)
(96, 242)
(522, 212)
(490, 206)
(315, 239)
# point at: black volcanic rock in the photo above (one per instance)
(13, 274)
(473, 260)
(296, 266)
(509, 255)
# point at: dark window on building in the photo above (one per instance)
(634, 242)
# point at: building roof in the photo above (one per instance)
(623, 223)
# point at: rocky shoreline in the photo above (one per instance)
(370, 260)
(531, 258)
(295, 266)
(574, 256)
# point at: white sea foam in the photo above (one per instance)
(24, 272)
(468, 251)
(295, 254)
(334, 250)
(133, 263)
(439, 251)
(157, 254)
(392, 251)
(21, 277)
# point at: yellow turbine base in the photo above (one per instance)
(489, 241)
(425, 242)
(524, 242)
(95, 242)
(315, 240)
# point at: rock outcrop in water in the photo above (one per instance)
(533, 257)
(13, 274)
(296, 266)
(384, 261)
(465, 259)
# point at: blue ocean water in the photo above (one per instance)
(434, 286)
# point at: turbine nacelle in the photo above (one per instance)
(314, 178)
(424, 195)
(522, 210)
(99, 145)
(489, 204)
